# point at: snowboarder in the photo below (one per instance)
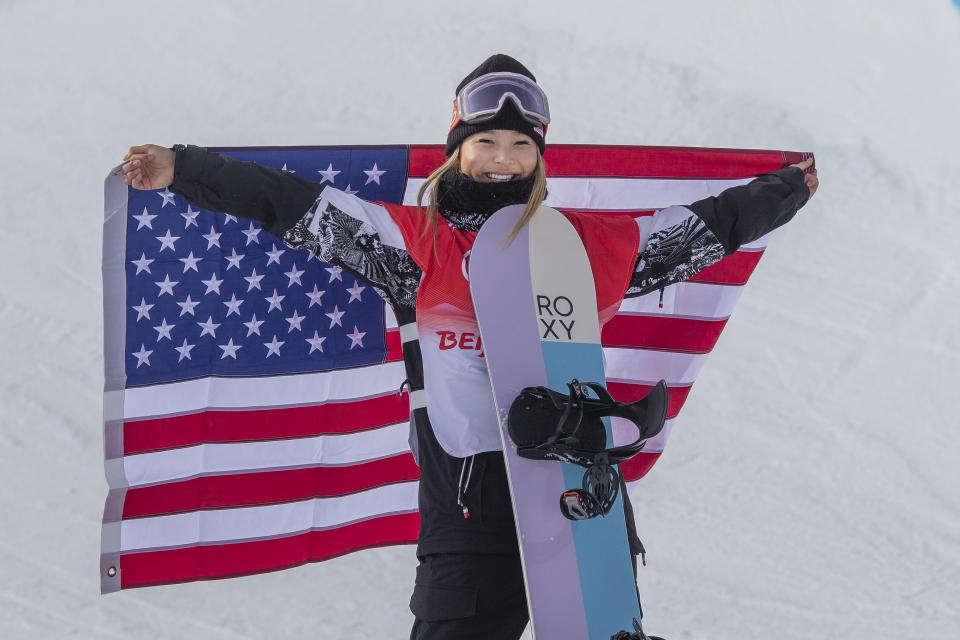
(469, 581)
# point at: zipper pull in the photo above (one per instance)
(462, 486)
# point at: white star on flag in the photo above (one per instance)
(167, 285)
(284, 168)
(187, 306)
(316, 342)
(163, 330)
(144, 220)
(213, 285)
(143, 356)
(229, 349)
(315, 296)
(143, 264)
(273, 347)
(329, 174)
(234, 259)
(229, 218)
(212, 238)
(209, 327)
(190, 263)
(335, 273)
(253, 281)
(373, 175)
(143, 311)
(252, 234)
(167, 241)
(233, 305)
(191, 217)
(350, 192)
(295, 321)
(167, 196)
(184, 350)
(275, 255)
(274, 301)
(335, 317)
(356, 338)
(355, 292)
(294, 276)
(253, 327)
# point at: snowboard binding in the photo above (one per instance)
(547, 425)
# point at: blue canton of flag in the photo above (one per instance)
(212, 294)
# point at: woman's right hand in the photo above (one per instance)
(148, 167)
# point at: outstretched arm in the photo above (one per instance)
(337, 227)
(740, 215)
(216, 182)
(683, 240)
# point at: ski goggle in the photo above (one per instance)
(482, 98)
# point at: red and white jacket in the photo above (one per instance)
(456, 388)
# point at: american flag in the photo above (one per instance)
(251, 409)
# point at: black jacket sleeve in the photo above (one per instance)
(742, 214)
(684, 240)
(216, 182)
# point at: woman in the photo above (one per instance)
(469, 582)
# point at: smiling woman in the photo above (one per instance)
(469, 583)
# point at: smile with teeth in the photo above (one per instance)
(501, 177)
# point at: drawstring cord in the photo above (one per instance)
(462, 486)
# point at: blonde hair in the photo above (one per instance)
(431, 184)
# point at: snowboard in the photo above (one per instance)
(536, 306)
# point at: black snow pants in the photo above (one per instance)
(467, 596)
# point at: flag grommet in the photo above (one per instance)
(112, 572)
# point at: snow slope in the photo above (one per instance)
(811, 489)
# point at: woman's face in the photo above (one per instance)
(499, 155)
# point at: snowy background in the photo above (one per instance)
(812, 486)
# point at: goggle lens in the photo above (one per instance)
(483, 98)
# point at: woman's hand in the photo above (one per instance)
(148, 167)
(809, 175)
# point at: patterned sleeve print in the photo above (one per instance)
(678, 246)
(354, 241)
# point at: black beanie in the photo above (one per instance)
(509, 117)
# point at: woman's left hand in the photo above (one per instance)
(809, 175)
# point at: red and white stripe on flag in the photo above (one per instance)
(224, 476)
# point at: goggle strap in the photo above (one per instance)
(456, 117)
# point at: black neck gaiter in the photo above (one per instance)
(467, 204)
